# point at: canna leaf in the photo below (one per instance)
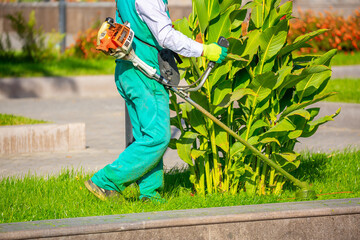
(182, 25)
(184, 145)
(270, 140)
(297, 106)
(197, 121)
(221, 138)
(237, 17)
(206, 11)
(311, 84)
(225, 4)
(262, 85)
(326, 58)
(236, 149)
(195, 153)
(272, 40)
(292, 79)
(257, 14)
(300, 41)
(235, 96)
(221, 26)
(219, 73)
(221, 91)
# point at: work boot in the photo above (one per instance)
(99, 192)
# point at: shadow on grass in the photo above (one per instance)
(311, 168)
(176, 179)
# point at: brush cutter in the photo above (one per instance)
(116, 40)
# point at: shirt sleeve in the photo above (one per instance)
(153, 13)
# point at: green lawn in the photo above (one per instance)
(103, 66)
(30, 198)
(9, 119)
(60, 67)
(346, 59)
(348, 90)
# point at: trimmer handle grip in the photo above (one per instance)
(223, 42)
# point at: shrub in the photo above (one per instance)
(261, 91)
(35, 44)
(343, 34)
(85, 44)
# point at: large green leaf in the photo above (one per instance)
(311, 84)
(300, 41)
(291, 80)
(312, 126)
(202, 14)
(184, 145)
(234, 96)
(225, 4)
(326, 58)
(221, 26)
(221, 138)
(237, 17)
(197, 121)
(219, 73)
(297, 106)
(182, 25)
(257, 14)
(206, 10)
(271, 41)
(221, 91)
(262, 85)
(289, 161)
(281, 128)
(236, 149)
(258, 125)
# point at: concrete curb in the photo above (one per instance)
(54, 87)
(330, 219)
(94, 86)
(42, 138)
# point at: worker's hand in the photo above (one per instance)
(214, 52)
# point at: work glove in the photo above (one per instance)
(214, 52)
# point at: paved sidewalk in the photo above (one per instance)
(105, 133)
(94, 101)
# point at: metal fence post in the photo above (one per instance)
(62, 23)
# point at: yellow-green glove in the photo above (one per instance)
(214, 52)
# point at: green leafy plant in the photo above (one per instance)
(85, 44)
(261, 92)
(36, 46)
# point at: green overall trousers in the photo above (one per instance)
(148, 105)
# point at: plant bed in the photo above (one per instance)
(31, 198)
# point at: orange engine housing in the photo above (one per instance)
(114, 37)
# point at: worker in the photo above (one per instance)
(146, 99)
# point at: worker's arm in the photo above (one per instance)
(153, 13)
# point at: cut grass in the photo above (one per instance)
(9, 119)
(348, 90)
(30, 198)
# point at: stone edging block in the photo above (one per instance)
(42, 138)
(330, 219)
